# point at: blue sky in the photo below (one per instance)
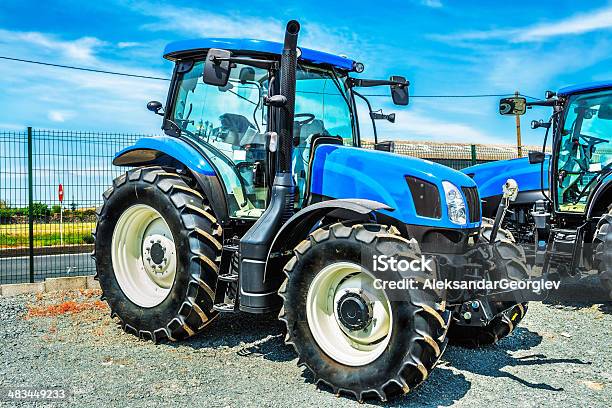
(442, 47)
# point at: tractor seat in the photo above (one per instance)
(236, 126)
(316, 127)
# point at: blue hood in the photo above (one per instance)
(490, 177)
(348, 172)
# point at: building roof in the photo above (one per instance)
(256, 46)
(589, 86)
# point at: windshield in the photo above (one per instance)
(230, 123)
(585, 148)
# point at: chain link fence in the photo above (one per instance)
(42, 237)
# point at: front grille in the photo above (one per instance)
(426, 197)
(473, 202)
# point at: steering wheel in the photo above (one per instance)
(309, 118)
(595, 139)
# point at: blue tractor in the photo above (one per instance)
(564, 210)
(259, 199)
(490, 178)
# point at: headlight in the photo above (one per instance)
(455, 203)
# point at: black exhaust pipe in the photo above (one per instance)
(287, 89)
(258, 294)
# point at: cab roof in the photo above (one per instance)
(585, 87)
(176, 48)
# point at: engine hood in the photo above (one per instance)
(490, 177)
(348, 172)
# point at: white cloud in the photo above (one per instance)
(127, 44)
(575, 25)
(81, 50)
(47, 96)
(431, 3)
(59, 115)
(192, 22)
(198, 22)
(419, 124)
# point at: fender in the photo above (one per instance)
(601, 198)
(163, 150)
(148, 150)
(301, 223)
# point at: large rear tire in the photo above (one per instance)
(157, 245)
(391, 351)
(602, 252)
(512, 258)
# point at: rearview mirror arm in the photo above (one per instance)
(367, 83)
(549, 102)
(370, 114)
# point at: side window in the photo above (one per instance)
(320, 108)
(585, 149)
(230, 122)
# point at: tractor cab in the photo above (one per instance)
(230, 118)
(582, 146)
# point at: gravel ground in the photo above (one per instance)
(560, 356)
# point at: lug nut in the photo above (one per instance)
(467, 316)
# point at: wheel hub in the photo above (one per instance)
(144, 255)
(157, 253)
(349, 318)
(354, 311)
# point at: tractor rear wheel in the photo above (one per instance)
(355, 337)
(512, 259)
(602, 251)
(156, 250)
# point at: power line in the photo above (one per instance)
(101, 71)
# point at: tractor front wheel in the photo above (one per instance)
(354, 336)
(512, 259)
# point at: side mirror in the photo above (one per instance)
(605, 111)
(155, 107)
(536, 157)
(399, 93)
(387, 146)
(217, 67)
(517, 105)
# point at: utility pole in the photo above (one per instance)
(519, 145)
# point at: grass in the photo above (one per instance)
(16, 235)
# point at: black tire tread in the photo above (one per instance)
(198, 219)
(504, 323)
(602, 244)
(437, 316)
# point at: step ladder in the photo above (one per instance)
(228, 277)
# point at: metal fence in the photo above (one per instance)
(41, 237)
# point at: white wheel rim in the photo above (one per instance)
(353, 348)
(143, 255)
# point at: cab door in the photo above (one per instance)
(583, 149)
